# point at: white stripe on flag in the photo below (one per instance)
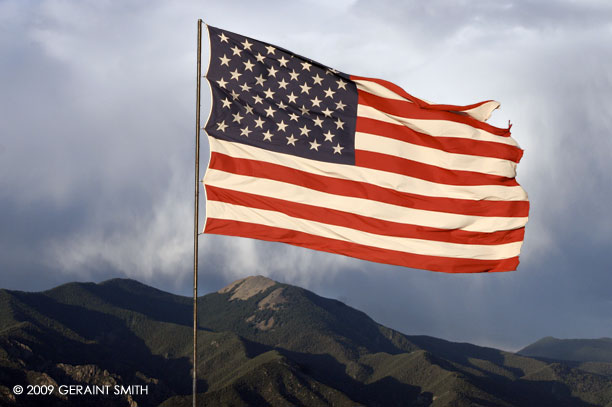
(480, 113)
(483, 112)
(360, 206)
(433, 156)
(221, 210)
(379, 90)
(384, 179)
(435, 128)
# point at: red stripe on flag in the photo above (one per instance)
(359, 222)
(415, 169)
(453, 111)
(454, 145)
(434, 263)
(412, 111)
(357, 189)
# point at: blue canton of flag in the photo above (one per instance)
(271, 98)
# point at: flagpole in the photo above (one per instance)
(195, 216)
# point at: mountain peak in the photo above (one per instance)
(248, 287)
(577, 350)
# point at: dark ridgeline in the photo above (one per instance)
(264, 343)
(576, 350)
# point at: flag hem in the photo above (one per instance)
(206, 124)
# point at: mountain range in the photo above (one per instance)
(264, 343)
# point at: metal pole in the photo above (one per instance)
(195, 216)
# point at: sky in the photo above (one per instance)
(97, 138)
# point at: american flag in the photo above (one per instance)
(307, 155)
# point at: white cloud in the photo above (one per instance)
(139, 244)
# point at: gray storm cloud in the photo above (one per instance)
(96, 149)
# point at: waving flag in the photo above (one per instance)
(306, 155)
